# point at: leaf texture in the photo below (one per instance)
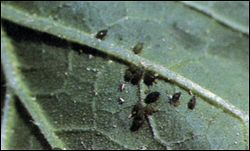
(68, 80)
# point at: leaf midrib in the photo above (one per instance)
(74, 35)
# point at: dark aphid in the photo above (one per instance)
(152, 97)
(138, 121)
(137, 77)
(192, 102)
(101, 34)
(149, 79)
(149, 110)
(175, 100)
(139, 112)
(176, 96)
(128, 75)
(133, 75)
(122, 87)
(120, 38)
(137, 107)
(138, 48)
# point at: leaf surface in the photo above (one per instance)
(71, 90)
(18, 130)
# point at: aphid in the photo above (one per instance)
(139, 112)
(149, 79)
(138, 48)
(121, 100)
(152, 97)
(138, 121)
(120, 38)
(175, 99)
(133, 75)
(149, 110)
(128, 75)
(122, 87)
(192, 102)
(137, 77)
(101, 34)
(137, 107)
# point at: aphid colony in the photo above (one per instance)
(141, 110)
(134, 75)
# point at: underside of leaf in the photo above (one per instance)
(68, 80)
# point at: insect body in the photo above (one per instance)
(139, 114)
(137, 77)
(175, 100)
(133, 75)
(138, 120)
(138, 107)
(138, 48)
(192, 102)
(149, 110)
(152, 97)
(101, 34)
(149, 79)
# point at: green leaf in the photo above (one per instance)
(68, 80)
(234, 15)
(3, 89)
(17, 128)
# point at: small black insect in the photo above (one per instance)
(138, 120)
(137, 107)
(175, 100)
(102, 34)
(137, 77)
(152, 97)
(138, 48)
(149, 79)
(133, 75)
(128, 75)
(139, 114)
(192, 102)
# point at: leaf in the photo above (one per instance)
(16, 121)
(73, 97)
(3, 89)
(222, 11)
